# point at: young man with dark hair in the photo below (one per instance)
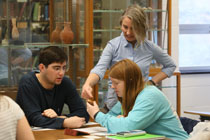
(42, 95)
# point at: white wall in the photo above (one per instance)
(195, 93)
(195, 88)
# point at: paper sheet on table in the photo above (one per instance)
(99, 131)
(91, 123)
(75, 139)
(40, 128)
(92, 137)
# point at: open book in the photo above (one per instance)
(99, 131)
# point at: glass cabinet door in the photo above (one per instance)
(27, 26)
(105, 23)
(106, 26)
(157, 15)
(24, 21)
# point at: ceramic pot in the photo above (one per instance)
(66, 34)
(55, 36)
(15, 33)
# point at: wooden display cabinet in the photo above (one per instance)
(78, 12)
(106, 26)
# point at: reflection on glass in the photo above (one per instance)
(17, 61)
(106, 22)
(13, 64)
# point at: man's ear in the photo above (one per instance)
(41, 67)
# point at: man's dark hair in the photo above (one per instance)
(52, 54)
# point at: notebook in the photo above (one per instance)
(139, 137)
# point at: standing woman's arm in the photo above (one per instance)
(159, 77)
(168, 64)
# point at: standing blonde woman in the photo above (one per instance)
(131, 44)
(140, 106)
(13, 123)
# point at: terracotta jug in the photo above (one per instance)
(15, 33)
(66, 34)
(55, 36)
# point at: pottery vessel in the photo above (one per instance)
(15, 33)
(55, 36)
(66, 34)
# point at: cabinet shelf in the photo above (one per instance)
(43, 44)
(107, 11)
(41, 22)
(97, 50)
(118, 30)
(159, 30)
(155, 10)
(26, 20)
(3, 18)
(121, 11)
(106, 30)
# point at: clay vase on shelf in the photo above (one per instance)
(66, 34)
(55, 36)
(15, 33)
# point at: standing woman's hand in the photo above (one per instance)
(92, 109)
(87, 91)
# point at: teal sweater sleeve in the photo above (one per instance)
(136, 119)
(151, 112)
(116, 110)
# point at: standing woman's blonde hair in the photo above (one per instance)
(139, 21)
(129, 72)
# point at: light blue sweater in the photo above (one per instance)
(151, 112)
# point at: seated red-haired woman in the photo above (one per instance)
(140, 106)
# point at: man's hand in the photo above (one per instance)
(50, 113)
(87, 91)
(92, 109)
(74, 122)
